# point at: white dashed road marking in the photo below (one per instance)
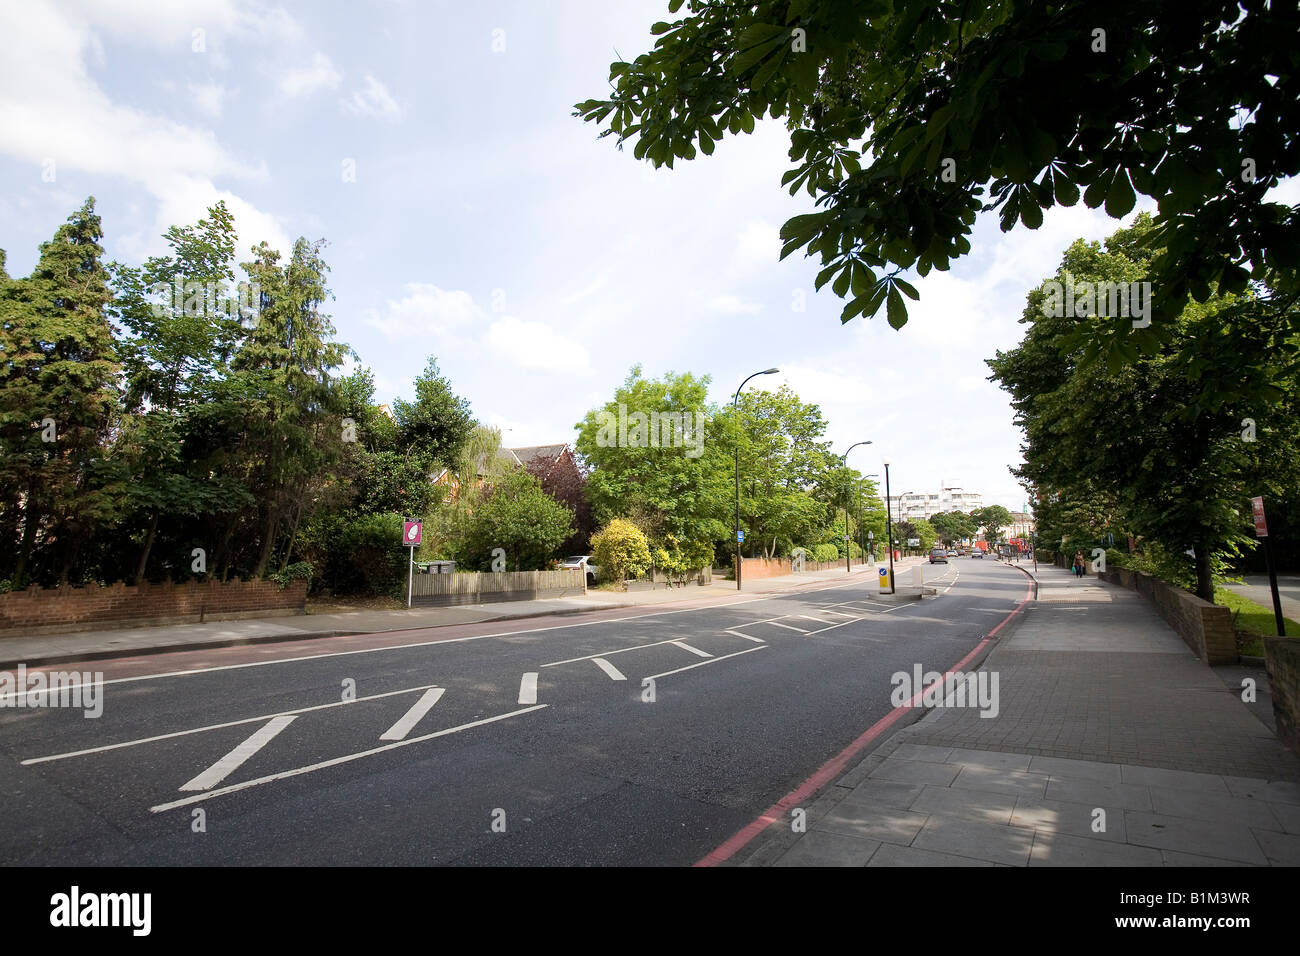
(232, 761)
(528, 688)
(412, 717)
(613, 672)
(694, 650)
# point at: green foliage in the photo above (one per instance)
(621, 551)
(298, 571)
(356, 554)
(991, 519)
(518, 517)
(906, 119)
(825, 552)
(954, 526)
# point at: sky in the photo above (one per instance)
(471, 217)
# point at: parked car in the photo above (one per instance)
(953, 554)
(937, 555)
(977, 553)
(582, 561)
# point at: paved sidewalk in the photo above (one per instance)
(1103, 710)
(122, 642)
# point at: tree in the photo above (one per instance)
(58, 402)
(673, 479)
(516, 516)
(991, 519)
(1017, 107)
(436, 425)
(953, 526)
(1158, 440)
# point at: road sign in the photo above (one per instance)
(412, 532)
(1261, 523)
(913, 542)
(740, 537)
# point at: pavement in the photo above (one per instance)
(1112, 745)
(117, 642)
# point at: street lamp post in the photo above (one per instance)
(889, 529)
(848, 552)
(735, 414)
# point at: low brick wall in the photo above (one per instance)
(59, 610)
(1206, 628)
(753, 568)
(1282, 659)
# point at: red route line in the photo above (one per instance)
(833, 767)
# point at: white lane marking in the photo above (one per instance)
(839, 613)
(713, 660)
(694, 650)
(232, 761)
(528, 688)
(620, 650)
(788, 627)
(613, 672)
(748, 637)
(413, 716)
(230, 723)
(297, 771)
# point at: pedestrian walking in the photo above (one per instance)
(1078, 564)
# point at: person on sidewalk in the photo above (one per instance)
(1078, 564)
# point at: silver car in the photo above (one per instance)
(582, 561)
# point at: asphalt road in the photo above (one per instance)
(445, 756)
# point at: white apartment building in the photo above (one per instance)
(909, 506)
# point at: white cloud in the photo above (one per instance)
(373, 100)
(758, 244)
(305, 80)
(733, 305)
(209, 98)
(425, 311)
(535, 345)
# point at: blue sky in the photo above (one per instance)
(487, 226)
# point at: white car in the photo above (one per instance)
(582, 561)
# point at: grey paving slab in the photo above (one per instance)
(1079, 769)
(1288, 814)
(887, 793)
(1062, 849)
(872, 822)
(1201, 805)
(915, 771)
(1112, 796)
(1159, 777)
(1281, 849)
(1231, 841)
(892, 855)
(1274, 791)
(981, 841)
(921, 752)
(1017, 782)
(1176, 858)
(828, 849)
(971, 804)
(1070, 819)
(989, 760)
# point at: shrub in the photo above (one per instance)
(357, 554)
(299, 570)
(825, 552)
(620, 550)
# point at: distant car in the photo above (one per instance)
(582, 561)
(977, 553)
(937, 555)
(953, 554)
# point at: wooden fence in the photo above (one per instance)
(478, 587)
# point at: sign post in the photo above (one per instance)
(412, 533)
(1261, 532)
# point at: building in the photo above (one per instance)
(912, 506)
(1022, 528)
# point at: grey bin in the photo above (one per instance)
(436, 567)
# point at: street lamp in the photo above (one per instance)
(848, 555)
(889, 529)
(735, 414)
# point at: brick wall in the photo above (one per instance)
(38, 611)
(1282, 659)
(1206, 628)
(754, 568)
